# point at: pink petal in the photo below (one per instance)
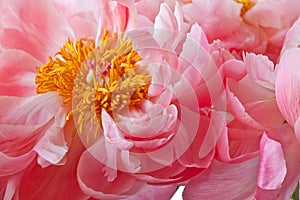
(238, 110)
(52, 146)
(47, 32)
(234, 69)
(154, 192)
(11, 165)
(272, 169)
(166, 19)
(292, 38)
(269, 13)
(291, 152)
(54, 182)
(83, 18)
(287, 86)
(94, 181)
(17, 73)
(261, 69)
(29, 110)
(224, 181)
(218, 18)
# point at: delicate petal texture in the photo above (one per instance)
(291, 152)
(268, 13)
(19, 19)
(288, 85)
(224, 181)
(218, 17)
(272, 169)
(292, 38)
(17, 73)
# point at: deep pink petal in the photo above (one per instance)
(53, 182)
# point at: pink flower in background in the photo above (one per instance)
(257, 150)
(245, 25)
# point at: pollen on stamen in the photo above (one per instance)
(247, 5)
(94, 79)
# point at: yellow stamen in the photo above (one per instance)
(95, 78)
(247, 4)
(59, 74)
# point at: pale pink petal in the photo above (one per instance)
(17, 73)
(272, 169)
(11, 187)
(269, 13)
(52, 146)
(239, 111)
(83, 18)
(29, 110)
(234, 69)
(112, 132)
(94, 181)
(114, 17)
(291, 152)
(218, 17)
(292, 38)
(47, 32)
(261, 69)
(224, 181)
(287, 86)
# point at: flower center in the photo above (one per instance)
(247, 4)
(95, 78)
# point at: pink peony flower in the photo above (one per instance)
(257, 150)
(112, 113)
(40, 149)
(245, 25)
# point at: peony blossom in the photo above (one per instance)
(245, 25)
(257, 149)
(130, 99)
(40, 149)
(103, 100)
